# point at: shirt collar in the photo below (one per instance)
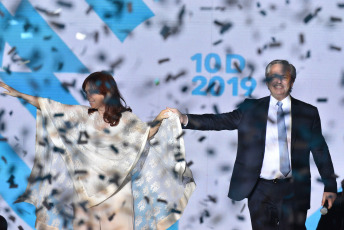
(286, 101)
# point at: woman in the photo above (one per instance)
(94, 169)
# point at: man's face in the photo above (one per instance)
(279, 83)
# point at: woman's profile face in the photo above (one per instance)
(95, 99)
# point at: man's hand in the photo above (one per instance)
(182, 117)
(330, 197)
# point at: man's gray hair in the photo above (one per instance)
(287, 68)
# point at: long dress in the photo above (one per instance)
(89, 175)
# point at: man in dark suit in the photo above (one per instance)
(275, 136)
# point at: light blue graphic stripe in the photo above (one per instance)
(16, 167)
(45, 85)
(121, 17)
(45, 56)
(44, 49)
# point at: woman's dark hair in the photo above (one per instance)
(103, 83)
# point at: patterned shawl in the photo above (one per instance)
(81, 160)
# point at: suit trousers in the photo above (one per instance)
(271, 206)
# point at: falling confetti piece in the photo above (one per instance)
(80, 36)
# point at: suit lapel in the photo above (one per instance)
(264, 116)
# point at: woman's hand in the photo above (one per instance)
(14, 93)
(163, 115)
(10, 91)
(157, 122)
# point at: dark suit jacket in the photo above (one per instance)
(250, 119)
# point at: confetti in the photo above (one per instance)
(130, 7)
(206, 8)
(243, 208)
(225, 168)
(308, 55)
(47, 205)
(210, 152)
(81, 134)
(310, 16)
(4, 159)
(335, 19)
(65, 4)
(48, 13)
(262, 12)
(180, 135)
(56, 149)
(202, 138)
(275, 44)
(47, 37)
(80, 36)
(11, 182)
(110, 218)
(165, 32)
(216, 110)
(162, 201)
(115, 179)
(224, 26)
(11, 50)
(58, 114)
(89, 9)
(163, 60)
(322, 100)
(117, 63)
(102, 177)
(176, 211)
(241, 217)
(171, 77)
(301, 38)
(212, 199)
(58, 25)
(332, 47)
(217, 42)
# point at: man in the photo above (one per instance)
(275, 136)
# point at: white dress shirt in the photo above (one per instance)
(271, 163)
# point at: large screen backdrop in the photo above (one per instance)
(198, 56)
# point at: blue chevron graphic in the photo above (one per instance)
(44, 49)
(13, 165)
(121, 16)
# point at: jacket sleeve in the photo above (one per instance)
(322, 156)
(222, 121)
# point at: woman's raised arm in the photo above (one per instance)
(14, 93)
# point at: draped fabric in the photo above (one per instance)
(89, 174)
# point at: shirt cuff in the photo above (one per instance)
(187, 121)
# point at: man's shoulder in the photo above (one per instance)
(253, 101)
(302, 104)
